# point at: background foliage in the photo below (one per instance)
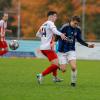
(33, 14)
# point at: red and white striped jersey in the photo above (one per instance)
(3, 26)
(46, 33)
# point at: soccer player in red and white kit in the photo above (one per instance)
(3, 26)
(46, 33)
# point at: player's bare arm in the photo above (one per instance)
(9, 31)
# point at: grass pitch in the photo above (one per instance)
(18, 81)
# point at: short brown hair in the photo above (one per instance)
(75, 18)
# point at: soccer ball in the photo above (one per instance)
(13, 44)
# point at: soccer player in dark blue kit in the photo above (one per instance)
(66, 48)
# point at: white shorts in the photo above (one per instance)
(64, 58)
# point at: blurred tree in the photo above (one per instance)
(4, 4)
(33, 14)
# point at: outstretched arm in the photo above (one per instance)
(55, 31)
(9, 31)
(81, 41)
(84, 43)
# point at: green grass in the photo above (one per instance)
(18, 81)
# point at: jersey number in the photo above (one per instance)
(44, 31)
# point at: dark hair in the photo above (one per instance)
(75, 18)
(51, 13)
(2, 14)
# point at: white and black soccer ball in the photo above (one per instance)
(13, 45)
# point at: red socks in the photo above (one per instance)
(55, 72)
(53, 68)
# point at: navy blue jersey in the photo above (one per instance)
(72, 34)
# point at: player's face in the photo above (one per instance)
(54, 17)
(5, 17)
(74, 23)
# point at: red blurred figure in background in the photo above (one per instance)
(3, 30)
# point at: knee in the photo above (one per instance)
(63, 68)
(55, 62)
(74, 69)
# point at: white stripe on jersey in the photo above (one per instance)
(3, 26)
(46, 32)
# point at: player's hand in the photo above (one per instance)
(63, 37)
(91, 45)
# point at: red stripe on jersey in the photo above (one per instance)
(2, 33)
(52, 43)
